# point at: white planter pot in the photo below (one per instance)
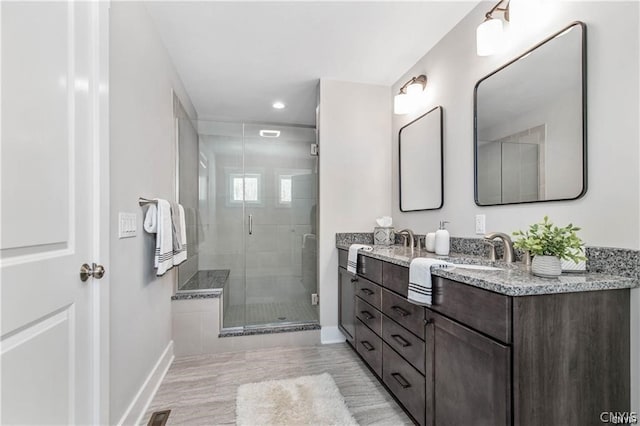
(546, 266)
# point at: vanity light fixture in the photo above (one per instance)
(490, 37)
(408, 97)
(270, 133)
(278, 105)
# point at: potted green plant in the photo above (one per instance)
(548, 244)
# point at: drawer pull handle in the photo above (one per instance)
(367, 315)
(401, 380)
(366, 291)
(398, 338)
(398, 310)
(368, 346)
(354, 280)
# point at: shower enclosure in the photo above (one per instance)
(255, 225)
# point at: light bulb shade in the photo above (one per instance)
(401, 104)
(490, 37)
(415, 89)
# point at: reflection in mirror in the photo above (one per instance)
(530, 121)
(421, 165)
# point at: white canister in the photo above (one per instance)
(430, 242)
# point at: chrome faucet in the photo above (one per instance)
(507, 245)
(407, 233)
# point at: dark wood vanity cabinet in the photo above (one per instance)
(389, 331)
(477, 357)
(471, 375)
(550, 359)
(346, 305)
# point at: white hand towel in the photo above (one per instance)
(151, 219)
(158, 221)
(180, 254)
(420, 288)
(352, 261)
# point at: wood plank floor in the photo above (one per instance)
(201, 390)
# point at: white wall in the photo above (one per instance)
(142, 164)
(354, 127)
(609, 213)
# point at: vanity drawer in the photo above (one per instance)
(396, 278)
(343, 256)
(406, 344)
(406, 383)
(369, 346)
(370, 292)
(482, 310)
(403, 312)
(369, 316)
(370, 268)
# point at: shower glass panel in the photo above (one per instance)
(222, 213)
(280, 205)
(257, 205)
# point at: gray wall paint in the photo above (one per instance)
(610, 210)
(142, 164)
(354, 129)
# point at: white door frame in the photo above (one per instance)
(99, 291)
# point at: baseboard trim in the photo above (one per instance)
(138, 407)
(329, 335)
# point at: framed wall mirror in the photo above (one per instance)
(421, 163)
(530, 136)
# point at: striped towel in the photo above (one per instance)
(352, 261)
(420, 288)
(179, 250)
(158, 221)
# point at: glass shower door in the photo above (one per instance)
(280, 177)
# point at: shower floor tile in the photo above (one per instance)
(269, 313)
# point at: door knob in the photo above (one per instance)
(93, 270)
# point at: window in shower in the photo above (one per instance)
(285, 189)
(245, 187)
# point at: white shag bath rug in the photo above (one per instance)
(307, 400)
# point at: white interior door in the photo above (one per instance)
(53, 209)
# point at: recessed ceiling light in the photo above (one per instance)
(278, 105)
(270, 133)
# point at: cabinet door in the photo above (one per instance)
(471, 375)
(346, 304)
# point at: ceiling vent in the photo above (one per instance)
(270, 133)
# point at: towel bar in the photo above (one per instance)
(144, 201)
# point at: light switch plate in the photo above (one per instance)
(481, 227)
(127, 225)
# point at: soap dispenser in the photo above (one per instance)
(442, 240)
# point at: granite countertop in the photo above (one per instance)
(205, 284)
(514, 279)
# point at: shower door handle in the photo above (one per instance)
(250, 224)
